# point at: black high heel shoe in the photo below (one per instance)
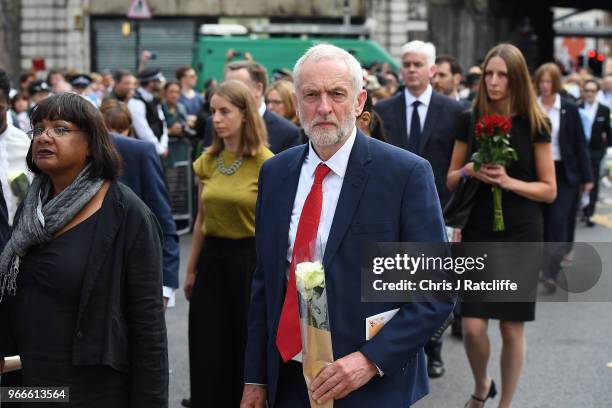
(491, 394)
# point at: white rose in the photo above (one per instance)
(309, 275)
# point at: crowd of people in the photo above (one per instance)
(310, 155)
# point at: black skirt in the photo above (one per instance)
(522, 263)
(218, 312)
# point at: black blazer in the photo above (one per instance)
(601, 134)
(575, 157)
(282, 134)
(437, 139)
(120, 321)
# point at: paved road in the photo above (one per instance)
(569, 346)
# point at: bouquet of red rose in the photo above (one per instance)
(493, 136)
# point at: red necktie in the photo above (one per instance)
(288, 339)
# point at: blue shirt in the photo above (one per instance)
(193, 105)
(587, 123)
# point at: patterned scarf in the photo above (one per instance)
(39, 221)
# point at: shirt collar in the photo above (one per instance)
(146, 95)
(424, 98)
(337, 163)
(262, 109)
(556, 105)
(592, 106)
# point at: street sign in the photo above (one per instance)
(139, 9)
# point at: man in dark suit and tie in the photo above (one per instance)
(143, 173)
(422, 121)
(341, 189)
(600, 140)
(282, 134)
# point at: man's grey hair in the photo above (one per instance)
(330, 52)
(419, 47)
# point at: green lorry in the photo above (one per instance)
(276, 52)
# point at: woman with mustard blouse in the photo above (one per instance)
(222, 257)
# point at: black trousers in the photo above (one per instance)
(557, 224)
(596, 158)
(291, 391)
(218, 312)
(433, 349)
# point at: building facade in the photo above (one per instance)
(89, 35)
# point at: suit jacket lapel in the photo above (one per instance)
(350, 194)
(562, 128)
(287, 191)
(599, 113)
(429, 122)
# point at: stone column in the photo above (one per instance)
(56, 30)
(10, 46)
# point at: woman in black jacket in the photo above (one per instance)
(572, 169)
(80, 278)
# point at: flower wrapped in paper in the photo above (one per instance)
(314, 322)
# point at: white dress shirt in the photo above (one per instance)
(332, 184)
(554, 114)
(425, 99)
(14, 145)
(138, 111)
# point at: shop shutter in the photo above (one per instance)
(171, 40)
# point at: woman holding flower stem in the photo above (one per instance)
(505, 89)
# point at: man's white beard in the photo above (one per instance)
(328, 136)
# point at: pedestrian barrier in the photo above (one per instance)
(179, 180)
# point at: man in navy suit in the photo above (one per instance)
(143, 173)
(422, 121)
(371, 191)
(282, 134)
(600, 139)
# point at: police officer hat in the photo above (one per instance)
(38, 86)
(81, 81)
(150, 74)
(282, 73)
